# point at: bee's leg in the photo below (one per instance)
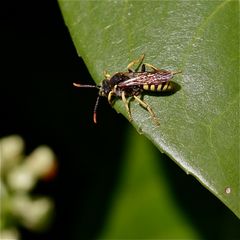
(111, 93)
(146, 106)
(151, 66)
(157, 69)
(143, 69)
(176, 72)
(106, 75)
(140, 61)
(125, 101)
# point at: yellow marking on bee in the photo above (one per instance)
(165, 87)
(152, 87)
(170, 86)
(159, 87)
(146, 87)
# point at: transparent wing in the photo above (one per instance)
(146, 78)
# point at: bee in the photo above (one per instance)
(131, 84)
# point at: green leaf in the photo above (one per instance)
(199, 124)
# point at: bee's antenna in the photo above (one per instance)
(95, 110)
(96, 104)
(85, 86)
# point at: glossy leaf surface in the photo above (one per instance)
(199, 124)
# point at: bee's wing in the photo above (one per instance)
(146, 78)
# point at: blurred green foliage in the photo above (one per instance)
(143, 206)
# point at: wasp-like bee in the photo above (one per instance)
(131, 84)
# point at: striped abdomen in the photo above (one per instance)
(161, 87)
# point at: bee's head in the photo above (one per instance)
(104, 88)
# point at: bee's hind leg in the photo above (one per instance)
(146, 106)
(151, 66)
(155, 69)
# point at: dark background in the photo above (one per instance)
(39, 64)
(39, 102)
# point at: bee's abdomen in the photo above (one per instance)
(162, 87)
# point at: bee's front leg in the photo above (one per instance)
(109, 97)
(111, 94)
